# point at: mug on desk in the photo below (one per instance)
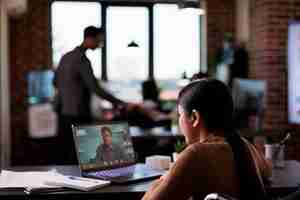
(275, 153)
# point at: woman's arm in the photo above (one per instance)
(180, 182)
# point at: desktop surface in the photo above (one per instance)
(284, 181)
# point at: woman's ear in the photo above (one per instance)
(196, 118)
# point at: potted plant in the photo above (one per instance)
(174, 122)
(179, 147)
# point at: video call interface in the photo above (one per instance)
(104, 146)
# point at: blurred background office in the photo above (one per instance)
(158, 52)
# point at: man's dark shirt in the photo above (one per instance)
(76, 82)
(109, 153)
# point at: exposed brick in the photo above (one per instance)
(220, 19)
(268, 61)
(29, 48)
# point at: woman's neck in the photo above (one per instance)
(199, 136)
(205, 135)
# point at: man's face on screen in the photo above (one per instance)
(106, 137)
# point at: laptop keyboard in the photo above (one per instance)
(112, 173)
(123, 172)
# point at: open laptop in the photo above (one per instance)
(105, 151)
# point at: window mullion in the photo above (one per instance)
(151, 43)
(104, 50)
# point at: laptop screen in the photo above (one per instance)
(103, 146)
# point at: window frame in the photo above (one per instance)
(144, 3)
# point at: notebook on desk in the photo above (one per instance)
(79, 183)
(105, 151)
(27, 181)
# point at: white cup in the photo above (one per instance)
(158, 162)
(175, 156)
(275, 153)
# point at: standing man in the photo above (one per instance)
(75, 84)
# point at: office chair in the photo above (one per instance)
(216, 196)
(292, 196)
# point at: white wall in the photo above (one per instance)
(4, 89)
(243, 20)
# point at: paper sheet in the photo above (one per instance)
(32, 179)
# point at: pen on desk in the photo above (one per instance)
(287, 137)
(43, 190)
(281, 144)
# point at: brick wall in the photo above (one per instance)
(29, 49)
(269, 28)
(220, 20)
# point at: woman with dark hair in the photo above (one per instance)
(199, 75)
(216, 159)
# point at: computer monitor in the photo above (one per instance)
(40, 86)
(249, 97)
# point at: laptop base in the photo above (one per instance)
(130, 174)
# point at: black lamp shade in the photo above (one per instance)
(133, 44)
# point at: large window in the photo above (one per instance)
(176, 42)
(127, 65)
(176, 47)
(68, 22)
(127, 25)
(166, 40)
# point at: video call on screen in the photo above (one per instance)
(105, 145)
